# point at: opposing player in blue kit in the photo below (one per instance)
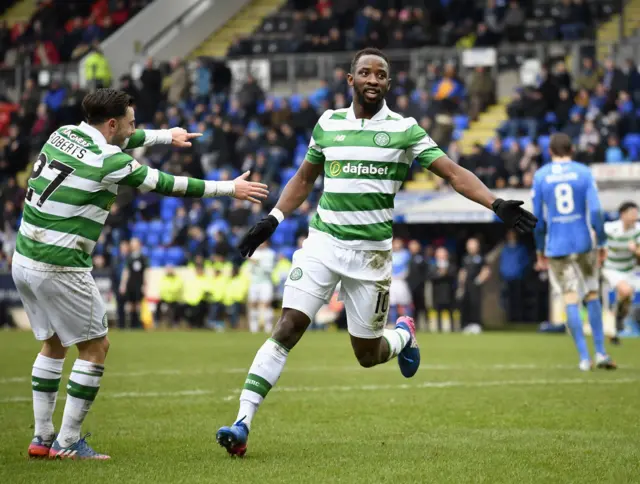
(566, 202)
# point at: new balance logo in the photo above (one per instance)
(340, 137)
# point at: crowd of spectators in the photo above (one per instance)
(63, 30)
(329, 26)
(252, 130)
(596, 106)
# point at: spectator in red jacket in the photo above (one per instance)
(45, 53)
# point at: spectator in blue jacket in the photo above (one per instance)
(55, 96)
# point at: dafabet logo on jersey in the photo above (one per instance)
(335, 168)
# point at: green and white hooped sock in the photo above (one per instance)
(45, 381)
(263, 375)
(82, 389)
(397, 339)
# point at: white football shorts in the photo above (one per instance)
(614, 277)
(67, 304)
(365, 278)
(260, 293)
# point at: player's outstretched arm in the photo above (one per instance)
(124, 170)
(467, 184)
(294, 193)
(178, 137)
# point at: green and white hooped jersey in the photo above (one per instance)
(365, 162)
(619, 257)
(73, 185)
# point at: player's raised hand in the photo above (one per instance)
(247, 190)
(181, 138)
(514, 216)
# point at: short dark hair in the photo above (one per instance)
(560, 145)
(627, 206)
(367, 51)
(104, 104)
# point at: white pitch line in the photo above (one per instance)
(320, 369)
(352, 388)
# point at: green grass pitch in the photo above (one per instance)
(495, 408)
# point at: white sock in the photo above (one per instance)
(263, 375)
(254, 322)
(83, 386)
(45, 380)
(397, 340)
(268, 319)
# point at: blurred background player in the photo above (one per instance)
(118, 265)
(473, 274)
(260, 300)
(418, 270)
(72, 187)
(443, 286)
(132, 286)
(400, 302)
(565, 199)
(623, 253)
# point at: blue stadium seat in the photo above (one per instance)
(157, 226)
(212, 175)
(294, 102)
(174, 256)
(167, 238)
(543, 142)
(631, 143)
(169, 206)
(219, 225)
(157, 256)
(489, 145)
(524, 141)
(507, 142)
(551, 118)
(461, 121)
(287, 175)
(153, 239)
(285, 234)
(140, 230)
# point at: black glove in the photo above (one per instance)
(514, 216)
(257, 235)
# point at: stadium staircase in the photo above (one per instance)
(20, 12)
(482, 130)
(608, 31)
(243, 23)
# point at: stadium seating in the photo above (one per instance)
(288, 31)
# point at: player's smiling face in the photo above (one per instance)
(370, 79)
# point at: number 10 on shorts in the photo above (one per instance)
(382, 304)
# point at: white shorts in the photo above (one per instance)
(260, 293)
(365, 278)
(399, 294)
(67, 304)
(574, 273)
(614, 277)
